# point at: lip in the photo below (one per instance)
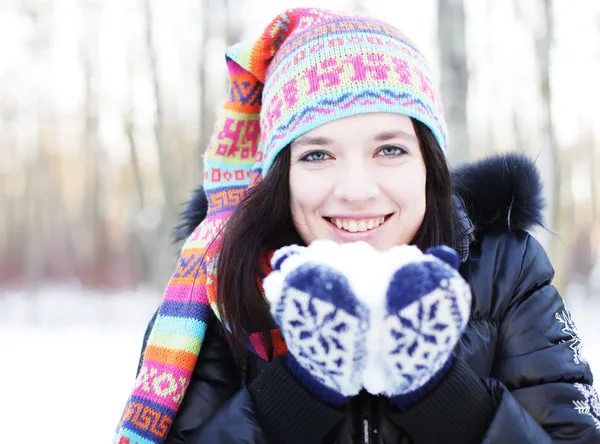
(347, 236)
(358, 216)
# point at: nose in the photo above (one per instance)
(356, 185)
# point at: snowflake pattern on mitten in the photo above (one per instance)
(321, 320)
(427, 309)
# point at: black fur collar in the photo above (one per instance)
(501, 193)
(193, 213)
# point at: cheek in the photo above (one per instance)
(407, 189)
(420, 192)
(419, 197)
(307, 192)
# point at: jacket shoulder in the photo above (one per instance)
(504, 268)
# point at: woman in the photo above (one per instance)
(352, 147)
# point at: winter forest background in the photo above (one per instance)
(106, 107)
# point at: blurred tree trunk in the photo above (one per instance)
(135, 162)
(93, 215)
(207, 109)
(162, 259)
(57, 236)
(34, 246)
(166, 177)
(549, 154)
(141, 240)
(454, 76)
(129, 132)
(569, 206)
(491, 142)
(12, 211)
(592, 163)
(592, 156)
(94, 219)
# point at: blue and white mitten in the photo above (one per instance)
(321, 319)
(427, 307)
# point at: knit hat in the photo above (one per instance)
(309, 67)
(321, 66)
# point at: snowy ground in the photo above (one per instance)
(66, 378)
(68, 362)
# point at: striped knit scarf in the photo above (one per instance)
(309, 67)
(176, 338)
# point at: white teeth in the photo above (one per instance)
(354, 225)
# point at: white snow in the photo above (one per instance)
(69, 360)
(66, 378)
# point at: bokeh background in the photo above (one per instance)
(106, 107)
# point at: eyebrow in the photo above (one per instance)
(324, 141)
(311, 141)
(389, 135)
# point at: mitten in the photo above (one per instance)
(427, 307)
(322, 321)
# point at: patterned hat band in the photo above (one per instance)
(339, 67)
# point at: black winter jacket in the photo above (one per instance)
(518, 376)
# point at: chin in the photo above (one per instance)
(382, 246)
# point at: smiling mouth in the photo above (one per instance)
(358, 225)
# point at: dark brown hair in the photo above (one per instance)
(263, 222)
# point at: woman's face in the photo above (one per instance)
(359, 178)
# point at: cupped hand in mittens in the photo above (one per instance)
(427, 306)
(354, 318)
(316, 303)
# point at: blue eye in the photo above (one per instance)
(315, 156)
(392, 151)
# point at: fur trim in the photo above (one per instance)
(501, 193)
(193, 213)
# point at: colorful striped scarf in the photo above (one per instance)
(309, 67)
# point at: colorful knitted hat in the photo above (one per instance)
(309, 67)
